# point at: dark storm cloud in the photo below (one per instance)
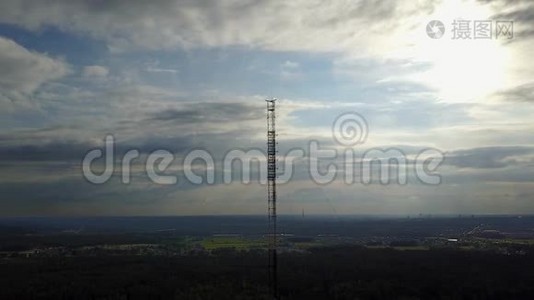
(74, 195)
(209, 112)
(487, 157)
(76, 150)
(181, 127)
(518, 14)
(521, 12)
(522, 93)
(44, 152)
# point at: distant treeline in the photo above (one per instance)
(324, 273)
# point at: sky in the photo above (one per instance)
(180, 76)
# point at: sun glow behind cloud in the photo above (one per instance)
(461, 70)
(467, 71)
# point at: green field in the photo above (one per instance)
(238, 243)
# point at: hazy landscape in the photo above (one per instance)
(224, 257)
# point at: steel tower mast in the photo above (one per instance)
(271, 197)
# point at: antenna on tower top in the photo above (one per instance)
(271, 196)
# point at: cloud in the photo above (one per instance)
(160, 70)
(523, 13)
(95, 71)
(23, 71)
(54, 151)
(489, 157)
(165, 124)
(519, 12)
(290, 70)
(290, 65)
(521, 93)
(273, 25)
(388, 32)
(209, 112)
